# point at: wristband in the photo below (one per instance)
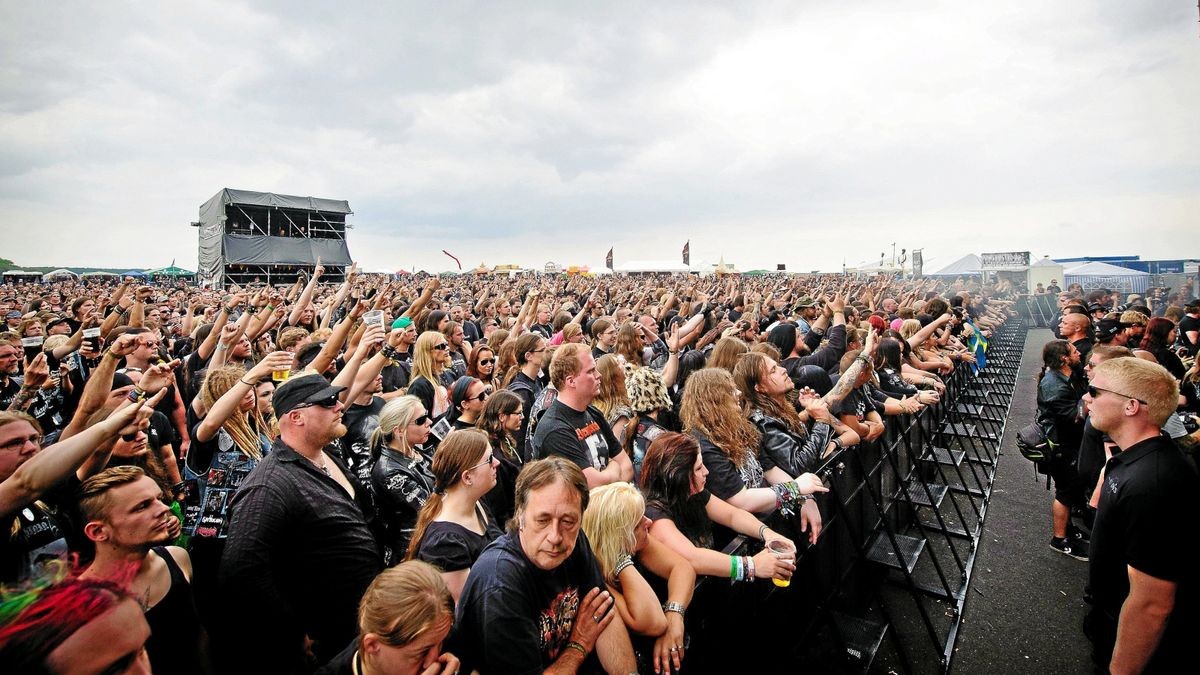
(221, 346)
(762, 532)
(269, 308)
(179, 487)
(248, 384)
(251, 310)
(749, 568)
(733, 568)
(113, 354)
(577, 647)
(676, 607)
(136, 395)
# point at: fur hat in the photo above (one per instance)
(646, 391)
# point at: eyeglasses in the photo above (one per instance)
(1094, 392)
(487, 461)
(444, 346)
(18, 443)
(422, 420)
(486, 362)
(330, 402)
(518, 411)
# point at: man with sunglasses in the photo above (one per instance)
(300, 552)
(1142, 571)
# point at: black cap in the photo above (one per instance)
(1106, 329)
(1096, 307)
(300, 390)
(54, 322)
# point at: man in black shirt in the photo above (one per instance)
(574, 429)
(1142, 580)
(299, 553)
(1189, 328)
(535, 599)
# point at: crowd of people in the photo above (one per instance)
(1118, 400)
(379, 476)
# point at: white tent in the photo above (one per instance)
(965, 266)
(60, 274)
(1095, 275)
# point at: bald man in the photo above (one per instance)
(1076, 329)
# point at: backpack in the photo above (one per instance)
(1035, 445)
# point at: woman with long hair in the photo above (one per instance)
(403, 619)
(227, 443)
(682, 512)
(401, 478)
(1059, 391)
(612, 399)
(482, 366)
(651, 404)
(617, 528)
(453, 527)
(729, 446)
(501, 419)
(572, 333)
(430, 358)
(631, 344)
(726, 353)
(1158, 339)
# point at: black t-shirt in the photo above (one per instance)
(583, 437)
(859, 403)
(1188, 323)
(694, 525)
(597, 352)
(360, 421)
(396, 374)
(726, 479)
(515, 618)
(1146, 514)
(38, 533)
(451, 547)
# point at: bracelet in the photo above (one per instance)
(179, 487)
(749, 568)
(136, 395)
(623, 563)
(269, 308)
(248, 384)
(577, 647)
(762, 530)
(676, 607)
(389, 352)
(221, 346)
(251, 310)
(113, 354)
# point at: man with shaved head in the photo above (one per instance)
(1076, 329)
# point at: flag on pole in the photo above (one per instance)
(456, 260)
(687, 252)
(608, 260)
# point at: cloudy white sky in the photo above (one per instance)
(805, 133)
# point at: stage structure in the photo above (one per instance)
(247, 237)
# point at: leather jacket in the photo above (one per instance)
(791, 452)
(402, 486)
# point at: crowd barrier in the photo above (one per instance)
(886, 583)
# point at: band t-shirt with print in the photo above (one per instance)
(583, 437)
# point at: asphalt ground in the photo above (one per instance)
(1026, 607)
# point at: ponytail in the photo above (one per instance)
(429, 512)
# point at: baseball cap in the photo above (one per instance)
(1106, 329)
(805, 301)
(402, 322)
(300, 390)
(14, 314)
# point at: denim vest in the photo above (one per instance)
(206, 504)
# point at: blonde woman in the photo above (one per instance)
(227, 443)
(431, 355)
(613, 400)
(401, 478)
(617, 527)
(729, 446)
(453, 527)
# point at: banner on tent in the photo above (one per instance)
(1000, 261)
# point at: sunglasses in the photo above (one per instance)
(487, 461)
(422, 420)
(486, 362)
(444, 346)
(1094, 392)
(330, 402)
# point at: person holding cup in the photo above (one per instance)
(616, 524)
(682, 513)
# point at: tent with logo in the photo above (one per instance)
(1096, 275)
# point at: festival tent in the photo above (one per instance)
(98, 273)
(968, 265)
(59, 274)
(169, 271)
(134, 273)
(1095, 275)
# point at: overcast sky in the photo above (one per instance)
(805, 133)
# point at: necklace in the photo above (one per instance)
(323, 466)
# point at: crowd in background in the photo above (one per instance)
(379, 475)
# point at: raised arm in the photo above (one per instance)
(306, 294)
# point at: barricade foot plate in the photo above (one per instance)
(920, 497)
(881, 551)
(861, 637)
(945, 456)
